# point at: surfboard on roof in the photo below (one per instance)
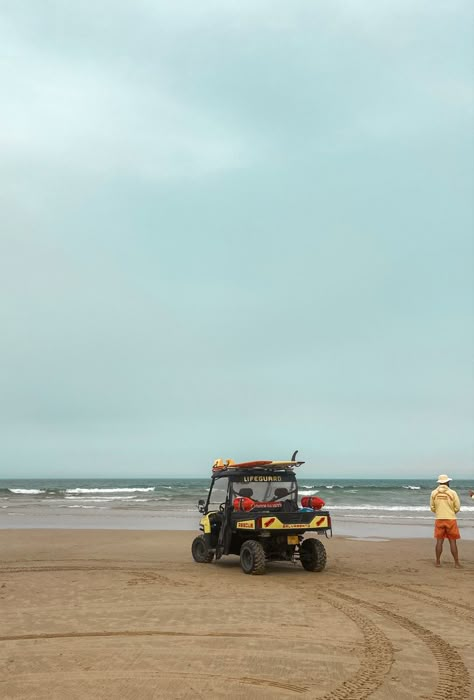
(219, 464)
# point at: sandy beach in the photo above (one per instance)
(119, 614)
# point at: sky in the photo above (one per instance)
(236, 229)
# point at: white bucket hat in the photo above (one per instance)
(443, 478)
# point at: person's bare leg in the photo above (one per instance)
(438, 550)
(454, 551)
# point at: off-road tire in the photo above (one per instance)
(252, 558)
(312, 555)
(200, 550)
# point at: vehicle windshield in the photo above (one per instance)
(264, 491)
(218, 493)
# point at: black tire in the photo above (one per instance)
(252, 558)
(313, 555)
(200, 550)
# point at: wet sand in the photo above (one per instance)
(387, 528)
(128, 614)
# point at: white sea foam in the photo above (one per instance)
(308, 493)
(26, 491)
(412, 488)
(118, 490)
(81, 506)
(102, 499)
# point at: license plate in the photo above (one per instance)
(292, 539)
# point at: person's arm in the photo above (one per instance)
(432, 503)
(457, 503)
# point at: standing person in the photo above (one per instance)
(445, 503)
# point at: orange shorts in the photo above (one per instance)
(446, 529)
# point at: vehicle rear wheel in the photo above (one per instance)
(313, 555)
(200, 550)
(252, 558)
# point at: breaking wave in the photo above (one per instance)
(112, 490)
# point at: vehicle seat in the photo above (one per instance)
(246, 493)
(288, 505)
(280, 493)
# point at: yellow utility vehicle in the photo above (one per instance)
(252, 511)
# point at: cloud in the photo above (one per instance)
(103, 92)
(86, 119)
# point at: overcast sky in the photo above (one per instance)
(234, 229)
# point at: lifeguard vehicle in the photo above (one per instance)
(252, 510)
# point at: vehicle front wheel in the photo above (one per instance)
(313, 555)
(252, 558)
(200, 550)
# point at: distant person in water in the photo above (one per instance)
(445, 504)
(471, 493)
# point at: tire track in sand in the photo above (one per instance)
(150, 675)
(123, 633)
(453, 677)
(456, 607)
(84, 560)
(465, 612)
(375, 664)
(142, 575)
(74, 567)
(273, 684)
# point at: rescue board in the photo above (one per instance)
(219, 464)
(244, 465)
(249, 465)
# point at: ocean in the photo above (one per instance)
(367, 506)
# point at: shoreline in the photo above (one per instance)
(350, 526)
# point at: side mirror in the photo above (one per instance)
(201, 503)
